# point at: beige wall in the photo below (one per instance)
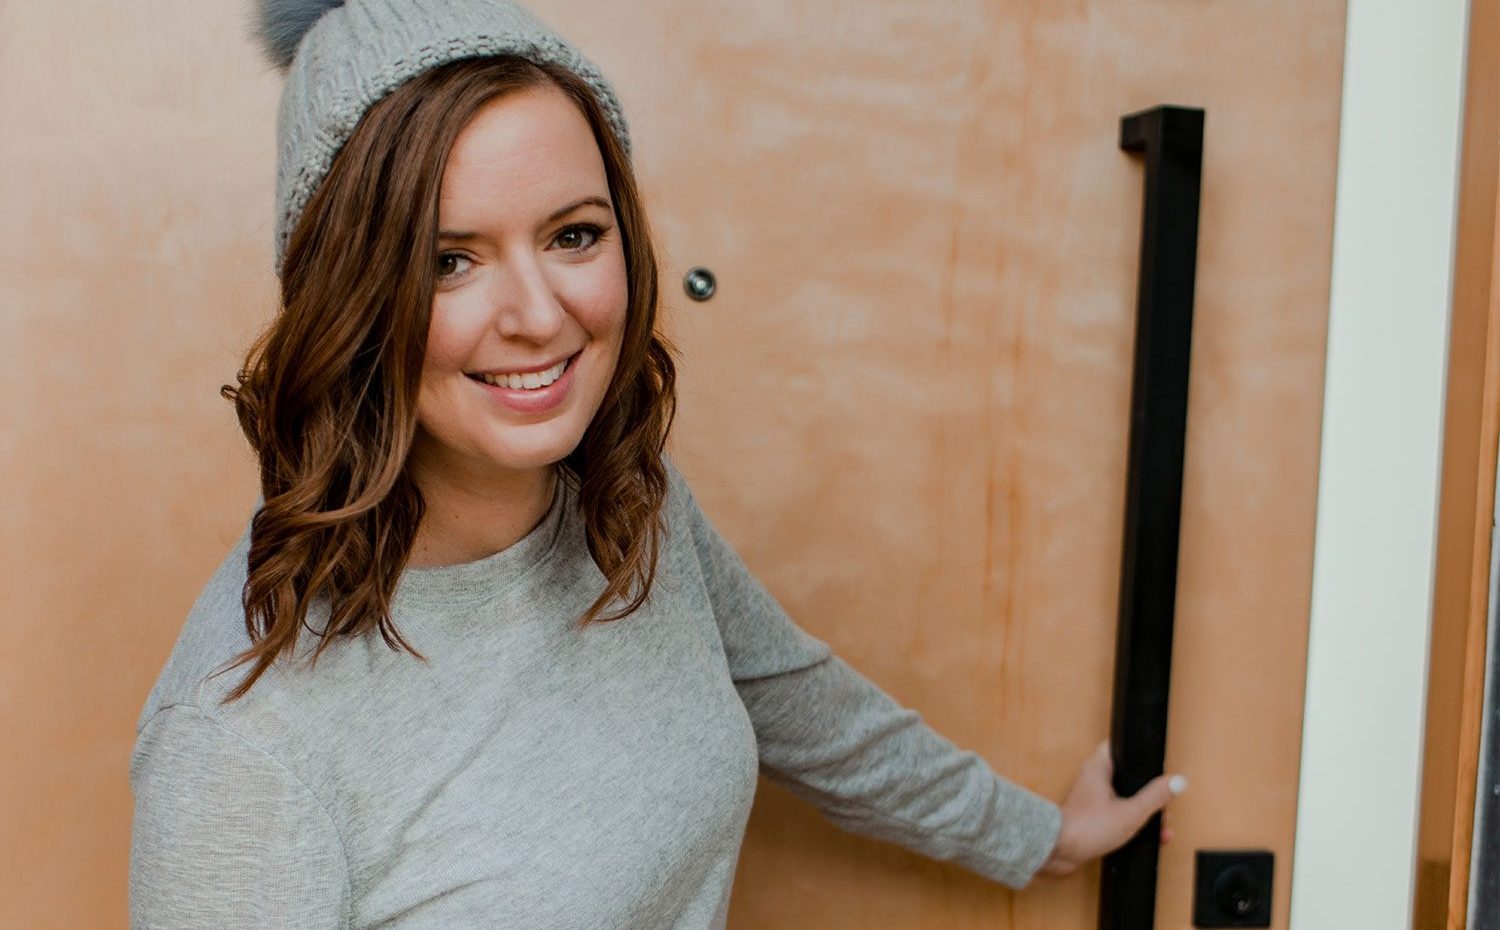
(136, 171)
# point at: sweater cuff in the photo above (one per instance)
(1027, 839)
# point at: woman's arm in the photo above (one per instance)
(225, 836)
(834, 738)
(872, 766)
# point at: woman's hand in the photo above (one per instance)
(1095, 820)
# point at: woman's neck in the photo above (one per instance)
(465, 521)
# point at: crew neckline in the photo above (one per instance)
(465, 584)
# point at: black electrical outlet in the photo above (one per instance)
(1233, 888)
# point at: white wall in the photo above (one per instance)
(1378, 484)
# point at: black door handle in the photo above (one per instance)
(1171, 140)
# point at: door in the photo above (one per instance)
(907, 403)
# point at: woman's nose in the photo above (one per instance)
(525, 304)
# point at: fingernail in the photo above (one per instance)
(1177, 784)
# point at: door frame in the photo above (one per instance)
(1380, 464)
(1465, 551)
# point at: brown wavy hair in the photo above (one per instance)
(328, 394)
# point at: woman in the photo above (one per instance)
(459, 415)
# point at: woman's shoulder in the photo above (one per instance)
(278, 721)
(685, 521)
(680, 503)
(212, 634)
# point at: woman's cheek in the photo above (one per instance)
(448, 337)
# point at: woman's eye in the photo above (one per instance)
(579, 237)
(448, 265)
(576, 234)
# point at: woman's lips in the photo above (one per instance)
(535, 400)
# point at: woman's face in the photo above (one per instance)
(531, 295)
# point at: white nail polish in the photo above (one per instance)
(1177, 784)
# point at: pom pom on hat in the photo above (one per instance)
(281, 24)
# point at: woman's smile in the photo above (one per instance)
(530, 392)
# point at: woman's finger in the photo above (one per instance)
(1101, 761)
(1154, 796)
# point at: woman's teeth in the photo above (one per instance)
(528, 382)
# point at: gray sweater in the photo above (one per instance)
(531, 775)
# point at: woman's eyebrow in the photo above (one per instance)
(586, 201)
(591, 200)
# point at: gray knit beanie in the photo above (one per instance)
(341, 57)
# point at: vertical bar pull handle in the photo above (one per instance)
(1170, 139)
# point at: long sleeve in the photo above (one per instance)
(834, 738)
(225, 836)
